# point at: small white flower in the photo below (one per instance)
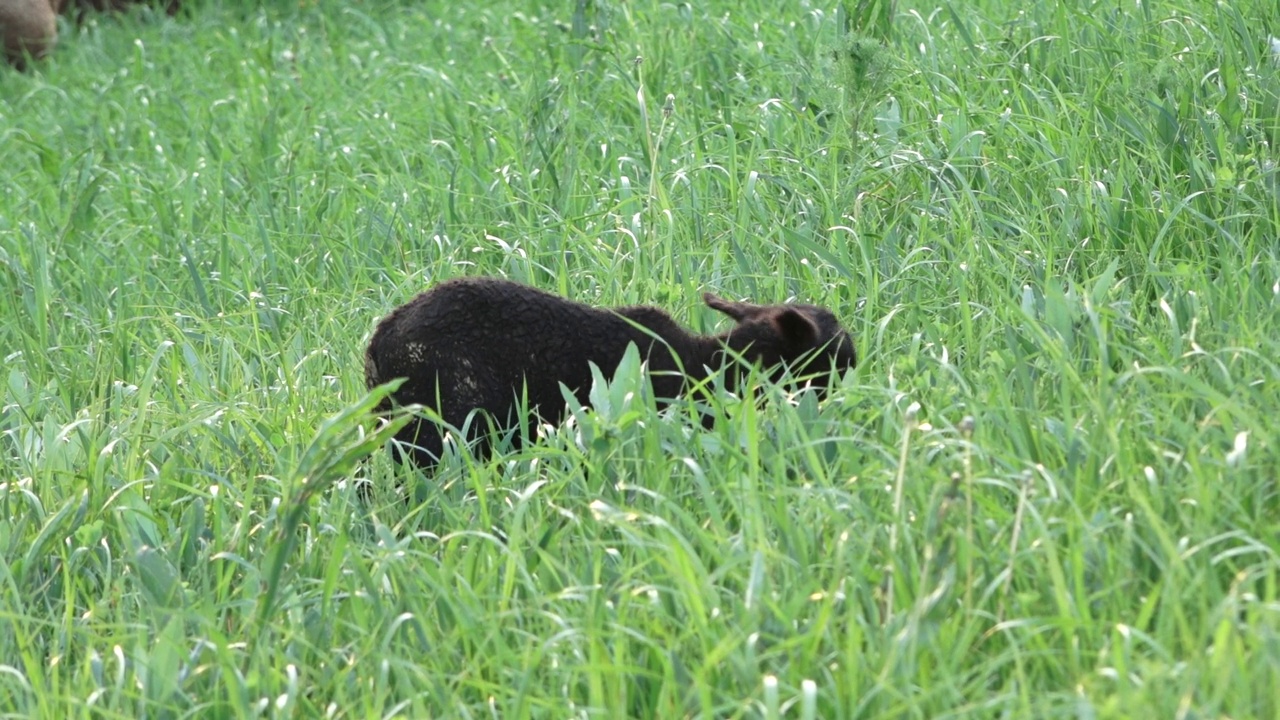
(1241, 445)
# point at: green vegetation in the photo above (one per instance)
(1049, 489)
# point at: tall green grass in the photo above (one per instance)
(1049, 489)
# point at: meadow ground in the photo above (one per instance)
(1049, 489)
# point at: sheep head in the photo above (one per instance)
(806, 338)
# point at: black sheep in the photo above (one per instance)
(477, 343)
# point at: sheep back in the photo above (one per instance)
(476, 343)
(27, 27)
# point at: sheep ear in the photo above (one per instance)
(736, 310)
(795, 327)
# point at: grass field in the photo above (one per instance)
(1051, 487)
